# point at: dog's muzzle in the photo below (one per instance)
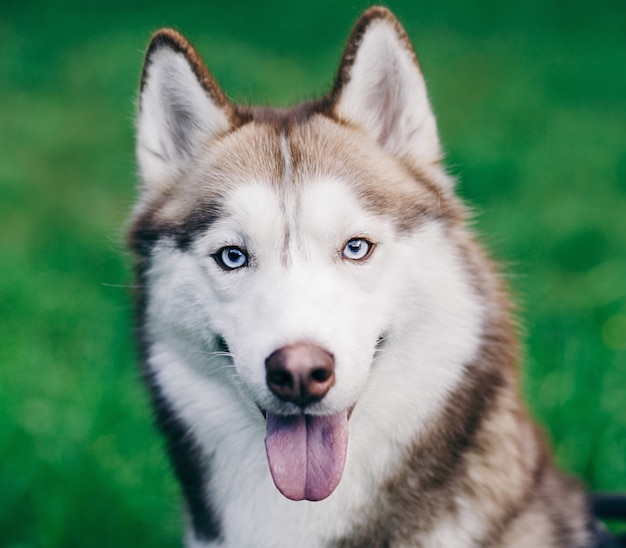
(306, 453)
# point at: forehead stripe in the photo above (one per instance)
(289, 199)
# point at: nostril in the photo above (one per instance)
(321, 374)
(280, 378)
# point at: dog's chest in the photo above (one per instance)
(253, 513)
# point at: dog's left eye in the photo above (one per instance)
(231, 257)
(357, 249)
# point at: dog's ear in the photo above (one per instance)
(380, 88)
(181, 108)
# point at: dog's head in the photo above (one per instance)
(294, 245)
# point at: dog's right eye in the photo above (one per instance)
(357, 249)
(231, 257)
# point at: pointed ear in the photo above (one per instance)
(380, 88)
(181, 108)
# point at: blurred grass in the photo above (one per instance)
(531, 101)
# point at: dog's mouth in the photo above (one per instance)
(306, 453)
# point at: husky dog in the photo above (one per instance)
(330, 354)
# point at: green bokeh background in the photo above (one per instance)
(531, 102)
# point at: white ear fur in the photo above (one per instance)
(177, 113)
(380, 87)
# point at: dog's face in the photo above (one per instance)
(310, 268)
(297, 252)
(282, 249)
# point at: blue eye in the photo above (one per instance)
(231, 257)
(357, 249)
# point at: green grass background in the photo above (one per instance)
(531, 102)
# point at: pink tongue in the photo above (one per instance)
(306, 453)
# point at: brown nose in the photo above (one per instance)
(300, 373)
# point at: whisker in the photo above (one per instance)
(122, 286)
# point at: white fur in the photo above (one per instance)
(413, 288)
